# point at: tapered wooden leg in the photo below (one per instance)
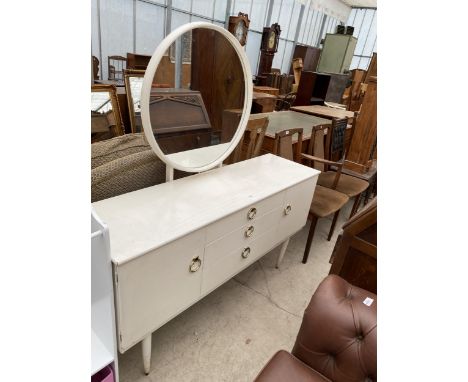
(146, 351)
(355, 205)
(332, 228)
(313, 223)
(281, 254)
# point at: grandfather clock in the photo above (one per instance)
(239, 27)
(268, 48)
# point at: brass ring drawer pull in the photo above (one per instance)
(245, 252)
(195, 264)
(251, 214)
(249, 231)
(287, 209)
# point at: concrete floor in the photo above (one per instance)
(230, 334)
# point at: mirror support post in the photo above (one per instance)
(169, 173)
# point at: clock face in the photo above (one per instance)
(271, 40)
(240, 30)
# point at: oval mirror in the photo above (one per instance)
(196, 97)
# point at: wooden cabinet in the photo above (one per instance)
(142, 287)
(312, 89)
(185, 238)
(310, 57)
(137, 61)
(337, 53)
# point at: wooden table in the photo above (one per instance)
(263, 102)
(266, 89)
(281, 120)
(324, 112)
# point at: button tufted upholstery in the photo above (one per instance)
(337, 338)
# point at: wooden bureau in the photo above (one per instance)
(173, 243)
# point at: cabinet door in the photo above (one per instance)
(296, 208)
(157, 286)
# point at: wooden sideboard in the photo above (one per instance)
(173, 243)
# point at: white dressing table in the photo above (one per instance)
(173, 243)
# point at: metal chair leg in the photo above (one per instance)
(332, 228)
(313, 223)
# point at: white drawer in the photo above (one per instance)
(239, 237)
(294, 217)
(221, 227)
(221, 268)
(155, 287)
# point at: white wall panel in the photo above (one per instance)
(241, 6)
(95, 33)
(294, 20)
(258, 16)
(116, 29)
(284, 16)
(287, 58)
(364, 22)
(178, 19)
(220, 9)
(359, 17)
(371, 37)
(305, 23)
(253, 50)
(149, 27)
(277, 60)
(364, 31)
(275, 11)
(316, 26)
(364, 63)
(203, 7)
(181, 4)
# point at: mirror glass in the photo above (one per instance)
(104, 123)
(197, 98)
(133, 84)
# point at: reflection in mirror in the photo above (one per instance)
(198, 79)
(105, 114)
(133, 83)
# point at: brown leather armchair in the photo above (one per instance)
(337, 340)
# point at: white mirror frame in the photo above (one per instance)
(148, 80)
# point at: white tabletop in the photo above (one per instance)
(144, 220)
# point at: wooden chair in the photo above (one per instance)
(284, 102)
(283, 146)
(255, 131)
(326, 201)
(116, 66)
(334, 149)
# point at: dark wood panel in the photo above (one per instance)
(360, 153)
(310, 57)
(355, 255)
(216, 72)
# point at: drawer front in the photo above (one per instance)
(222, 227)
(226, 265)
(296, 208)
(242, 236)
(155, 287)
